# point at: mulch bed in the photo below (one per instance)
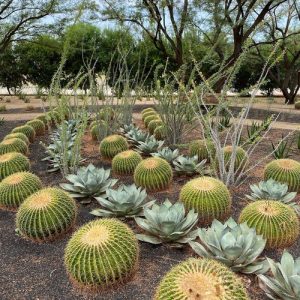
(36, 271)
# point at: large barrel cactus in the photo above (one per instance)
(125, 162)
(160, 132)
(15, 188)
(274, 220)
(27, 130)
(13, 162)
(17, 135)
(38, 126)
(112, 145)
(284, 171)
(203, 149)
(13, 145)
(203, 279)
(241, 158)
(46, 214)
(154, 124)
(153, 174)
(101, 254)
(207, 196)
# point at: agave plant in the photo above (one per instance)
(285, 280)
(273, 190)
(126, 201)
(167, 154)
(167, 223)
(189, 165)
(150, 145)
(88, 182)
(135, 135)
(127, 128)
(235, 245)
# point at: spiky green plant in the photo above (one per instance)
(167, 223)
(149, 113)
(284, 283)
(153, 173)
(13, 162)
(200, 279)
(275, 221)
(125, 162)
(99, 130)
(150, 145)
(160, 132)
(13, 145)
(27, 130)
(112, 145)
(43, 118)
(208, 196)
(106, 113)
(154, 124)
(38, 126)
(146, 110)
(46, 214)
(167, 154)
(150, 118)
(235, 245)
(15, 188)
(127, 128)
(102, 253)
(17, 135)
(88, 182)
(136, 135)
(284, 171)
(53, 117)
(189, 166)
(126, 201)
(204, 149)
(241, 157)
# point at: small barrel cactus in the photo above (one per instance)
(125, 162)
(241, 158)
(201, 279)
(275, 221)
(203, 149)
(13, 162)
(285, 171)
(13, 145)
(146, 110)
(154, 124)
(160, 132)
(153, 174)
(149, 113)
(112, 145)
(18, 135)
(207, 196)
(150, 118)
(38, 126)
(99, 130)
(46, 214)
(297, 105)
(15, 188)
(102, 253)
(27, 130)
(43, 118)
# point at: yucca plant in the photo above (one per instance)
(285, 280)
(126, 201)
(167, 223)
(150, 145)
(189, 165)
(273, 190)
(88, 182)
(235, 245)
(167, 154)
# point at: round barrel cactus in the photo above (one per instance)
(43, 118)
(13, 145)
(125, 162)
(15, 188)
(208, 196)
(53, 117)
(203, 149)
(154, 124)
(46, 214)
(13, 162)
(149, 113)
(241, 158)
(99, 130)
(275, 221)
(153, 174)
(203, 279)
(285, 171)
(38, 126)
(112, 145)
(27, 130)
(17, 135)
(101, 254)
(148, 119)
(160, 132)
(146, 110)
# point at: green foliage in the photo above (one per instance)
(94, 258)
(204, 149)
(284, 171)
(160, 132)
(167, 223)
(135, 135)
(282, 150)
(150, 118)
(167, 154)
(27, 130)
(197, 278)
(124, 163)
(15, 188)
(149, 146)
(208, 196)
(13, 162)
(241, 158)
(146, 110)
(153, 125)
(38, 126)
(149, 113)
(18, 135)
(88, 182)
(99, 130)
(46, 214)
(185, 165)
(112, 145)
(275, 221)
(13, 145)
(235, 245)
(153, 173)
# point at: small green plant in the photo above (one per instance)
(204, 149)
(150, 145)
(125, 162)
(224, 121)
(27, 130)
(282, 149)
(38, 126)
(112, 145)
(235, 245)
(13, 145)
(240, 160)
(18, 135)
(2, 108)
(167, 154)
(135, 135)
(167, 223)
(185, 165)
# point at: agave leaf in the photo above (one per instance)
(148, 239)
(101, 213)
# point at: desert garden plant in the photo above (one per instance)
(149, 146)
(13, 145)
(282, 150)
(18, 135)
(185, 165)
(27, 130)
(112, 145)
(125, 162)
(38, 126)
(167, 154)
(135, 135)
(202, 148)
